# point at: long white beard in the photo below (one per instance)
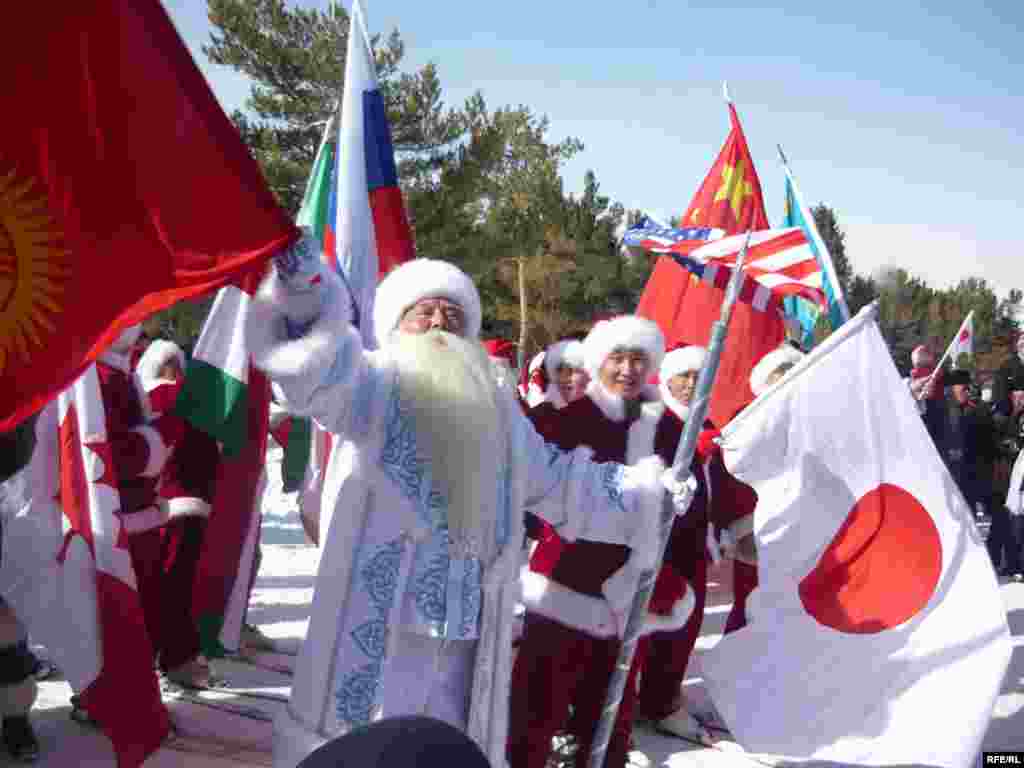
(449, 384)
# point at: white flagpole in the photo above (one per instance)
(826, 257)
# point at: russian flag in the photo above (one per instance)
(365, 217)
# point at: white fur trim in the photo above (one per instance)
(589, 614)
(159, 451)
(423, 279)
(536, 362)
(623, 332)
(330, 344)
(568, 352)
(157, 355)
(146, 519)
(187, 506)
(640, 438)
(611, 405)
(770, 363)
(682, 360)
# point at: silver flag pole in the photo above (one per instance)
(680, 467)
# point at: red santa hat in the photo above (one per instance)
(501, 349)
(679, 360)
(622, 332)
(786, 354)
(533, 381)
(157, 355)
(424, 279)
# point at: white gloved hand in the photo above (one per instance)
(299, 283)
(680, 491)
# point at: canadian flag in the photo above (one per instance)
(877, 634)
(105, 649)
(963, 344)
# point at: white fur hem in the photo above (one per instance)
(187, 506)
(589, 614)
(146, 519)
(158, 451)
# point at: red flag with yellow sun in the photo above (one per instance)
(684, 307)
(123, 189)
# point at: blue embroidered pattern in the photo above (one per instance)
(471, 598)
(357, 693)
(381, 576)
(611, 479)
(431, 586)
(398, 459)
(372, 638)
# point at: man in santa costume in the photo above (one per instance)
(928, 391)
(418, 580)
(578, 594)
(740, 530)
(184, 495)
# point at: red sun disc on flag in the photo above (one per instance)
(880, 569)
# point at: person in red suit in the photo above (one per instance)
(578, 599)
(172, 546)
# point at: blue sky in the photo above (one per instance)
(906, 117)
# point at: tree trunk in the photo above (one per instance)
(521, 354)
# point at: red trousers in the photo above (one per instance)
(667, 654)
(165, 562)
(558, 667)
(744, 579)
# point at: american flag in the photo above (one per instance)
(655, 238)
(779, 263)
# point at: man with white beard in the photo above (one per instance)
(417, 584)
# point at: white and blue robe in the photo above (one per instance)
(388, 571)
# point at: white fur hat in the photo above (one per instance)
(567, 352)
(622, 332)
(767, 365)
(424, 279)
(157, 354)
(679, 360)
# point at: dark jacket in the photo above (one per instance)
(969, 449)
(16, 447)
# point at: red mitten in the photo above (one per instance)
(707, 445)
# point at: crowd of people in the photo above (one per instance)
(978, 428)
(465, 495)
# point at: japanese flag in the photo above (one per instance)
(877, 634)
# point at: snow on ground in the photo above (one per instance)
(280, 607)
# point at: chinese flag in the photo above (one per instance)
(123, 188)
(685, 307)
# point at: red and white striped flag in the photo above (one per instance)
(120, 692)
(779, 263)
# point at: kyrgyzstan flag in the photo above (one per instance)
(685, 307)
(104, 649)
(123, 188)
(877, 634)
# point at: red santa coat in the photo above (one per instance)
(568, 578)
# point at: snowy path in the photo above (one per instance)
(280, 607)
